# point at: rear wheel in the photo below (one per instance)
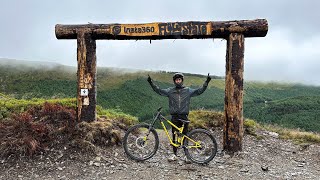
(139, 143)
(202, 147)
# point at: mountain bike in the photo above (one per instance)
(141, 141)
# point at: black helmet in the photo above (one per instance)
(177, 75)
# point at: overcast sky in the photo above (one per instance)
(290, 52)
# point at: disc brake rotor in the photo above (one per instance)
(140, 142)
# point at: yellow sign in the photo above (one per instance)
(163, 29)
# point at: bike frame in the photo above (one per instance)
(180, 130)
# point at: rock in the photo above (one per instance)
(221, 167)
(116, 159)
(60, 168)
(220, 161)
(116, 154)
(244, 170)
(96, 164)
(60, 155)
(274, 134)
(304, 146)
(180, 163)
(294, 174)
(90, 163)
(20, 176)
(300, 165)
(97, 159)
(265, 168)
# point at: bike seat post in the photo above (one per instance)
(184, 122)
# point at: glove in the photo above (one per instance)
(149, 79)
(208, 78)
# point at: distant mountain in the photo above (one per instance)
(290, 105)
(22, 63)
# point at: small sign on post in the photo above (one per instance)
(84, 92)
(86, 101)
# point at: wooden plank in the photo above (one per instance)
(233, 125)
(162, 29)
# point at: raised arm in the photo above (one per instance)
(162, 92)
(197, 92)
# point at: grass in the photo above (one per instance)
(12, 105)
(298, 136)
(205, 119)
(212, 119)
(30, 126)
(117, 114)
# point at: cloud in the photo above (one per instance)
(289, 52)
(278, 57)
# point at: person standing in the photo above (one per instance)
(179, 102)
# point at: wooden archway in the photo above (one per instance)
(233, 31)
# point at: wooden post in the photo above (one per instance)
(233, 108)
(86, 98)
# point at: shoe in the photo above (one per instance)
(186, 160)
(172, 158)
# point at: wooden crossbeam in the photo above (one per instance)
(169, 30)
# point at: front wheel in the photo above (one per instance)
(139, 143)
(201, 146)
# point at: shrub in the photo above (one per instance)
(205, 119)
(22, 135)
(34, 130)
(53, 124)
(250, 126)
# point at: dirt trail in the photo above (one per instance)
(269, 158)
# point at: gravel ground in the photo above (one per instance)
(269, 158)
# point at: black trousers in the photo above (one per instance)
(175, 120)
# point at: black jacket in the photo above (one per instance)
(179, 98)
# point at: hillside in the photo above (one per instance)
(45, 142)
(289, 105)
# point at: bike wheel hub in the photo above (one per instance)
(140, 142)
